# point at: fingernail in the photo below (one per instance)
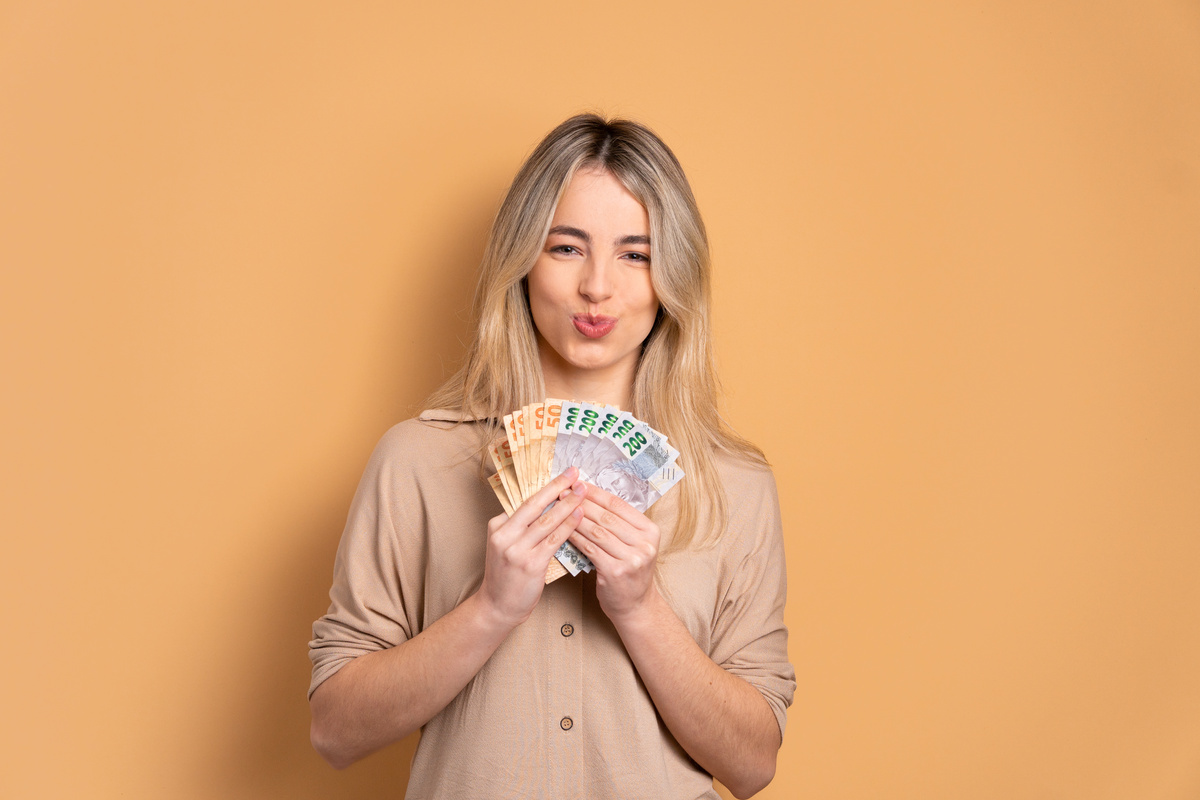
(578, 512)
(565, 493)
(579, 489)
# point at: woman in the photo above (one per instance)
(664, 667)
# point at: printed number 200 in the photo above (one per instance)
(634, 443)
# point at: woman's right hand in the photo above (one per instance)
(520, 547)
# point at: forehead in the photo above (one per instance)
(595, 198)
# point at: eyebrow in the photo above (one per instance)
(636, 238)
(578, 233)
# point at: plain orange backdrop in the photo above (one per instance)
(957, 303)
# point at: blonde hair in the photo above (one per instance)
(675, 389)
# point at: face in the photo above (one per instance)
(589, 291)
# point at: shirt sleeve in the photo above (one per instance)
(749, 634)
(371, 598)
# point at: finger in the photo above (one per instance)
(600, 558)
(532, 508)
(607, 520)
(618, 507)
(544, 526)
(549, 545)
(601, 538)
(612, 556)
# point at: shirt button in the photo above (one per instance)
(567, 629)
(566, 723)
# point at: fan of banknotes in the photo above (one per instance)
(611, 448)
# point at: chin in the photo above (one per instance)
(591, 364)
(597, 356)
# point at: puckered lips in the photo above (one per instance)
(594, 326)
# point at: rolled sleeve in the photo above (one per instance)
(749, 634)
(367, 610)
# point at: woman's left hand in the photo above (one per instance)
(622, 543)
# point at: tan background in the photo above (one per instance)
(959, 283)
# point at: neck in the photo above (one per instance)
(590, 391)
(612, 386)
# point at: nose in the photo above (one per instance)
(596, 282)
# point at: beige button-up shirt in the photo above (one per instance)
(559, 710)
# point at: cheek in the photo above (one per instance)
(645, 299)
(541, 297)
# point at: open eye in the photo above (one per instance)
(641, 259)
(565, 249)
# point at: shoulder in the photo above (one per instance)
(432, 441)
(435, 427)
(744, 477)
(751, 503)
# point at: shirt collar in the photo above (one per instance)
(447, 415)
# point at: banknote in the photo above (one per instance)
(514, 430)
(611, 448)
(553, 416)
(501, 454)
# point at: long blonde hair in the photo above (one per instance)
(675, 389)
